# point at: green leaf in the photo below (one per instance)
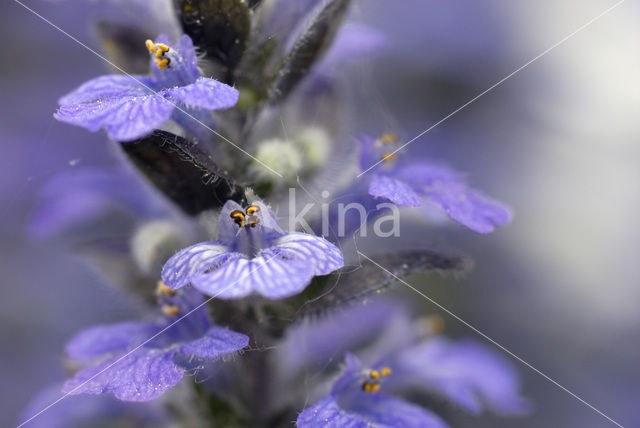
(219, 27)
(351, 284)
(310, 46)
(183, 172)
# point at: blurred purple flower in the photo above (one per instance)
(354, 42)
(158, 14)
(130, 107)
(252, 255)
(354, 402)
(80, 411)
(282, 16)
(309, 345)
(415, 357)
(464, 372)
(135, 372)
(77, 198)
(407, 184)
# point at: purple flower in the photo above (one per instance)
(310, 345)
(81, 411)
(283, 16)
(135, 368)
(408, 184)
(463, 371)
(355, 401)
(130, 107)
(403, 358)
(78, 198)
(355, 42)
(252, 255)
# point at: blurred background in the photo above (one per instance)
(559, 141)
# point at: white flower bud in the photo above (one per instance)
(281, 155)
(314, 143)
(154, 242)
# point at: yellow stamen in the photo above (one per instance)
(252, 209)
(162, 64)
(370, 387)
(238, 217)
(388, 156)
(435, 323)
(388, 138)
(373, 385)
(150, 46)
(158, 49)
(171, 310)
(161, 47)
(162, 288)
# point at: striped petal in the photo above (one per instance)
(469, 207)
(448, 189)
(207, 94)
(397, 191)
(142, 375)
(146, 373)
(218, 341)
(105, 87)
(193, 261)
(124, 118)
(126, 106)
(270, 274)
(316, 251)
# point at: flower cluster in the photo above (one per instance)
(270, 320)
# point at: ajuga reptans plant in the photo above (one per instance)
(230, 114)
